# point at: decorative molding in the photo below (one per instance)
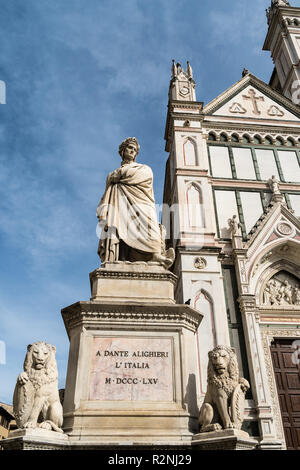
(275, 111)
(252, 128)
(167, 275)
(237, 108)
(247, 303)
(87, 312)
(263, 260)
(196, 105)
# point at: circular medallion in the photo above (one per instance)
(200, 263)
(284, 229)
(184, 90)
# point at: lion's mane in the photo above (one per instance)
(229, 380)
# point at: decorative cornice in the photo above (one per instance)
(198, 105)
(279, 309)
(91, 312)
(247, 303)
(109, 274)
(191, 172)
(265, 128)
(229, 182)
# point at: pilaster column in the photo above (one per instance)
(258, 374)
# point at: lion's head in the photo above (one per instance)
(40, 363)
(223, 371)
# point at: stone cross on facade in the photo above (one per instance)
(254, 99)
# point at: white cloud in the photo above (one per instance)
(243, 19)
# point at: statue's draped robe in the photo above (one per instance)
(128, 212)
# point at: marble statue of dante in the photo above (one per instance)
(127, 213)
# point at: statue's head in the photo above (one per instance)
(222, 360)
(40, 353)
(129, 149)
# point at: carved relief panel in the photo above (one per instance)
(281, 290)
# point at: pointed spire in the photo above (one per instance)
(182, 85)
(179, 68)
(174, 69)
(189, 70)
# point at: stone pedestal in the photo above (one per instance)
(227, 439)
(127, 282)
(35, 439)
(131, 376)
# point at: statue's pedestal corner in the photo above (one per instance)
(225, 439)
(35, 439)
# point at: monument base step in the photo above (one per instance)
(227, 439)
(41, 439)
(35, 439)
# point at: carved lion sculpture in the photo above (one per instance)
(36, 399)
(224, 402)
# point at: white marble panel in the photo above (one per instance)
(189, 153)
(244, 163)
(290, 165)
(226, 208)
(295, 201)
(220, 163)
(252, 208)
(266, 163)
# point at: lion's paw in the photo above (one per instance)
(30, 425)
(23, 378)
(228, 425)
(211, 428)
(244, 384)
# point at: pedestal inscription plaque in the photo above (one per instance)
(132, 369)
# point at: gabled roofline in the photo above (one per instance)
(250, 79)
(262, 222)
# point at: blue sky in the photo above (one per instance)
(82, 75)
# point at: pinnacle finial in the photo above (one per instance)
(174, 69)
(189, 70)
(274, 4)
(278, 3)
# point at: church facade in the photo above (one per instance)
(232, 204)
